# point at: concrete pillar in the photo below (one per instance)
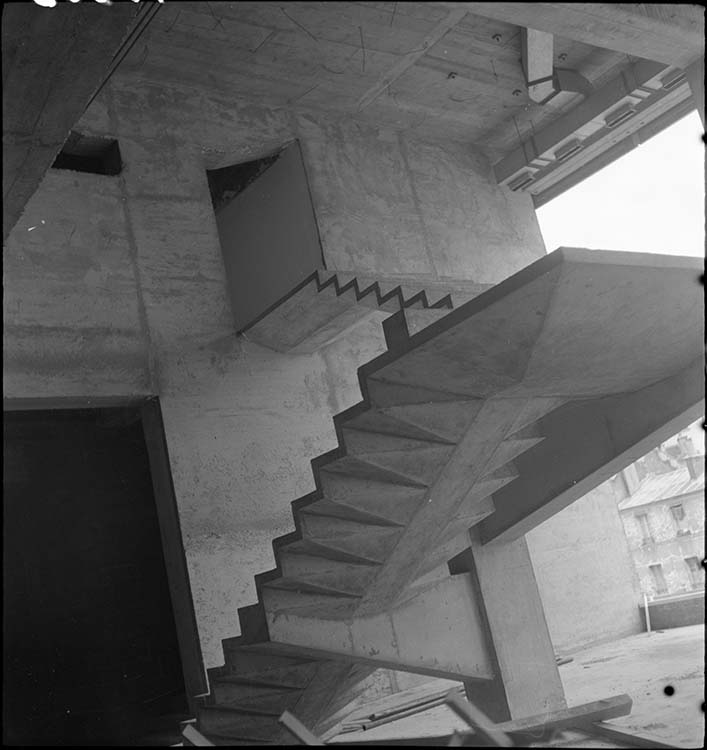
(527, 679)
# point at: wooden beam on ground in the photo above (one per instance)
(587, 718)
(672, 34)
(483, 727)
(195, 737)
(54, 60)
(407, 61)
(622, 736)
(573, 717)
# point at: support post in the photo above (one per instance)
(527, 679)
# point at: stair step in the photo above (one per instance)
(504, 474)
(342, 576)
(370, 542)
(275, 678)
(383, 393)
(317, 527)
(355, 466)
(421, 465)
(535, 410)
(236, 696)
(255, 658)
(302, 585)
(418, 320)
(332, 328)
(383, 422)
(467, 516)
(277, 600)
(228, 722)
(449, 420)
(360, 441)
(325, 507)
(510, 449)
(331, 549)
(395, 503)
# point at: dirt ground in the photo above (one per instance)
(641, 665)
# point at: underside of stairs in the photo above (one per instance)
(496, 416)
(328, 303)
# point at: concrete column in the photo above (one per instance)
(527, 679)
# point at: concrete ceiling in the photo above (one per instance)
(445, 70)
(435, 69)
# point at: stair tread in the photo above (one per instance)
(358, 467)
(328, 549)
(292, 583)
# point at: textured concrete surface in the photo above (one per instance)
(115, 286)
(584, 571)
(451, 219)
(640, 665)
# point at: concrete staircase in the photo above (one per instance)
(327, 303)
(454, 422)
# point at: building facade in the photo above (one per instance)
(664, 520)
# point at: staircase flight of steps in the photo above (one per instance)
(327, 303)
(448, 419)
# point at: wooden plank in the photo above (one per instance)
(299, 730)
(195, 737)
(627, 737)
(675, 39)
(411, 58)
(483, 728)
(607, 708)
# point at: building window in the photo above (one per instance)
(659, 584)
(678, 513)
(696, 574)
(645, 527)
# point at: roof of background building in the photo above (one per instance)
(656, 487)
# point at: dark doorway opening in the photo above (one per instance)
(91, 654)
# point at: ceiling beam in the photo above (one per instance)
(581, 121)
(407, 61)
(672, 34)
(538, 65)
(53, 60)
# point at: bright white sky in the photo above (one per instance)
(651, 200)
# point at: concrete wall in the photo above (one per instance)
(675, 612)
(116, 286)
(450, 219)
(584, 572)
(667, 547)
